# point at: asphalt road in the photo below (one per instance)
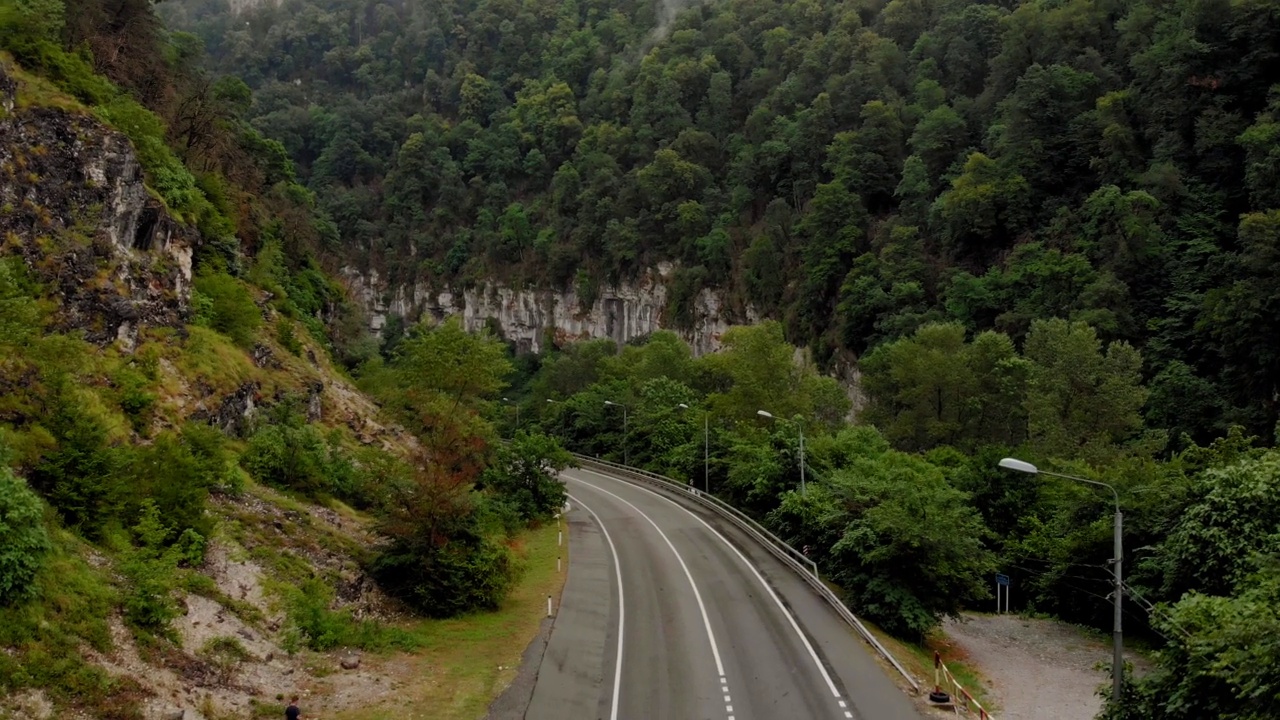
(670, 613)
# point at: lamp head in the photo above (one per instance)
(682, 405)
(1021, 466)
(764, 413)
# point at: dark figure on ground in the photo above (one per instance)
(292, 712)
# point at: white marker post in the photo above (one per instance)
(548, 606)
(559, 538)
(557, 564)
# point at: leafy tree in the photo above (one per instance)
(24, 542)
(526, 474)
(1079, 398)
(883, 513)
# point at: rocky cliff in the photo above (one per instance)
(529, 317)
(73, 205)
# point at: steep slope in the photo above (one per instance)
(195, 499)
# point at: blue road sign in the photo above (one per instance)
(1002, 579)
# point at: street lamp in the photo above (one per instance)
(624, 428)
(517, 406)
(767, 414)
(1117, 668)
(706, 448)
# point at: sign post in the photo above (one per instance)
(1002, 581)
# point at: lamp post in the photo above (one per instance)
(767, 414)
(557, 402)
(624, 429)
(1117, 633)
(706, 448)
(517, 407)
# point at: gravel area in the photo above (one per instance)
(1035, 669)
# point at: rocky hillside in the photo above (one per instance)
(195, 499)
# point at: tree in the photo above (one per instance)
(24, 543)
(905, 546)
(1081, 400)
(984, 210)
(525, 474)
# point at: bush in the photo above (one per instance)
(464, 574)
(312, 622)
(231, 310)
(24, 543)
(290, 453)
(151, 570)
(82, 476)
(526, 475)
(177, 472)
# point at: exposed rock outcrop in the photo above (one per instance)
(73, 204)
(529, 317)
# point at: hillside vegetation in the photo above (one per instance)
(199, 510)
(854, 169)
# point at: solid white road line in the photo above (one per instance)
(617, 570)
(702, 608)
(778, 601)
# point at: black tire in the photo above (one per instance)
(938, 696)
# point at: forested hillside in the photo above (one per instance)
(856, 169)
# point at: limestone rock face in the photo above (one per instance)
(73, 205)
(530, 317)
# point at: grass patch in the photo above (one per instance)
(918, 660)
(466, 662)
(213, 358)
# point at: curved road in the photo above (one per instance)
(671, 613)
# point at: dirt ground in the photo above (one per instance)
(1036, 669)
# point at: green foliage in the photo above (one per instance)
(288, 452)
(20, 316)
(24, 543)
(935, 388)
(286, 337)
(231, 309)
(1220, 539)
(150, 567)
(323, 629)
(1081, 400)
(83, 476)
(1218, 659)
(462, 575)
(879, 515)
(525, 474)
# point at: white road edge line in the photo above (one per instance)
(706, 621)
(617, 570)
(778, 601)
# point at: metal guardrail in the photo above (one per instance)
(792, 558)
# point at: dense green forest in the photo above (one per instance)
(855, 169)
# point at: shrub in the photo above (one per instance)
(290, 453)
(286, 337)
(177, 472)
(526, 475)
(151, 569)
(312, 622)
(232, 311)
(82, 476)
(24, 543)
(464, 574)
